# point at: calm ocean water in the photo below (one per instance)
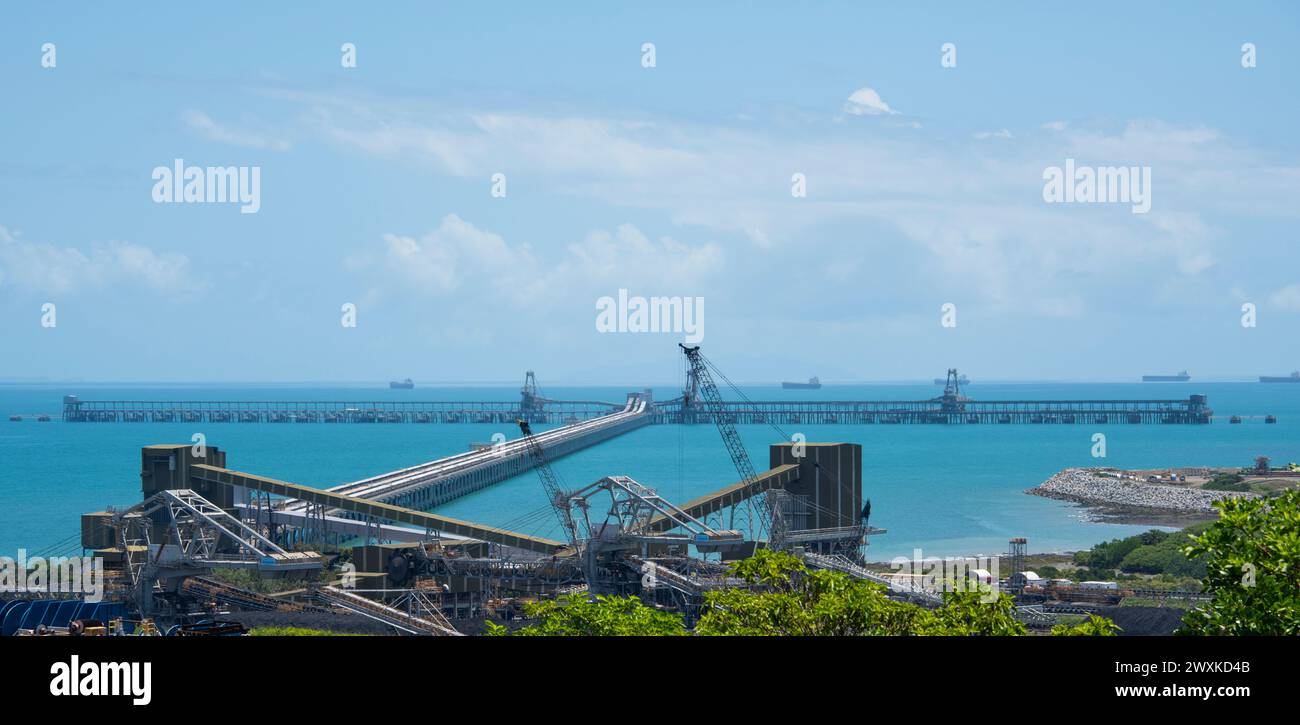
(947, 490)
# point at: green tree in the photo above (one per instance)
(607, 616)
(1166, 557)
(1094, 626)
(967, 614)
(812, 603)
(1252, 558)
(1109, 554)
(786, 599)
(1226, 482)
(782, 597)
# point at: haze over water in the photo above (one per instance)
(947, 490)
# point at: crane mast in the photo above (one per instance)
(702, 381)
(559, 500)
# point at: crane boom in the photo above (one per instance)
(555, 494)
(703, 381)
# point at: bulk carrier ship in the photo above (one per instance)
(1179, 378)
(812, 384)
(1292, 378)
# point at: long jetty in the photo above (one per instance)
(76, 410)
(944, 410)
(947, 410)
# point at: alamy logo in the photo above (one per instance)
(952, 574)
(81, 575)
(1099, 185)
(656, 314)
(348, 575)
(649, 575)
(75, 677)
(181, 184)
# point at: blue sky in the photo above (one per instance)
(672, 180)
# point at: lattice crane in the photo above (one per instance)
(702, 381)
(555, 493)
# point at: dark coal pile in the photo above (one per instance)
(1137, 621)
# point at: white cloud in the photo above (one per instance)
(42, 268)
(866, 102)
(1287, 298)
(628, 258)
(1195, 262)
(1055, 125)
(1146, 142)
(473, 266)
(481, 143)
(457, 252)
(975, 220)
(1002, 133)
(211, 130)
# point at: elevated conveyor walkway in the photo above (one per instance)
(375, 509)
(778, 477)
(434, 624)
(435, 483)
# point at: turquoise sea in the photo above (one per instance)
(947, 490)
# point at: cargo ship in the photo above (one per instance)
(404, 385)
(1292, 378)
(812, 384)
(1179, 378)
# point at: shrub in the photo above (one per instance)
(1252, 569)
(1226, 482)
(783, 597)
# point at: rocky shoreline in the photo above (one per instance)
(1118, 500)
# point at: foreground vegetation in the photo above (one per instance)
(1249, 559)
(1252, 561)
(785, 598)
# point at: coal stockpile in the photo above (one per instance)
(1138, 621)
(338, 623)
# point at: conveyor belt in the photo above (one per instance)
(382, 511)
(778, 477)
(386, 614)
(392, 485)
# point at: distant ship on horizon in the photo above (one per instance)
(1292, 378)
(1179, 378)
(406, 384)
(813, 384)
